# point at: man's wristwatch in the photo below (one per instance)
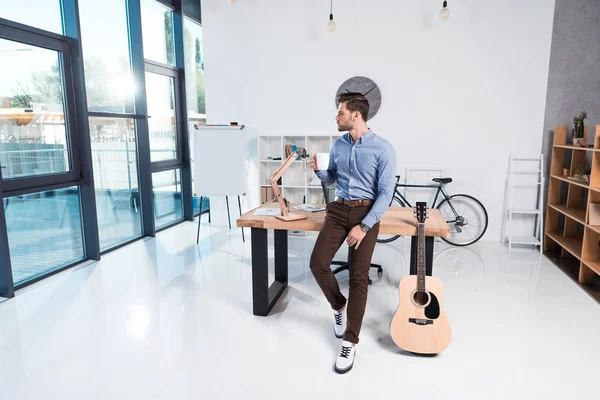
(364, 227)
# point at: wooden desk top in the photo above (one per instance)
(396, 221)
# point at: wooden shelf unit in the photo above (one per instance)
(295, 186)
(569, 239)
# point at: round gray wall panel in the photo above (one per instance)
(367, 87)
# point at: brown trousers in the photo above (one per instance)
(340, 219)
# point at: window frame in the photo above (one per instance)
(167, 3)
(169, 72)
(62, 45)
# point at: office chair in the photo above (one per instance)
(345, 265)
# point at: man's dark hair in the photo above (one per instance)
(355, 102)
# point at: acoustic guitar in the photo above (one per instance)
(419, 324)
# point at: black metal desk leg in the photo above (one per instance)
(263, 296)
(281, 256)
(428, 255)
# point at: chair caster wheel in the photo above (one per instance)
(379, 272)
(370, 281)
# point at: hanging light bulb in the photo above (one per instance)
(331, 23)
(445, 12)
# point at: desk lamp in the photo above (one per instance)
(285, 215)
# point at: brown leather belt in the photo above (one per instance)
(354, 203)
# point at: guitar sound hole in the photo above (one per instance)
(421, 298)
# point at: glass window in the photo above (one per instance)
(194, 70)
(157, 31)
(108, 79)
(194, 82)
(42, 14)
(114, 160)
(33, 138)
(193, 9)
(160, 93)
(44, 232)
(168, 204)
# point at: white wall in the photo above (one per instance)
(464, 93)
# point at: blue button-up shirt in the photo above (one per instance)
(363, 170)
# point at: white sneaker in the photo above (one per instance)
(339, 323)
(345, 359)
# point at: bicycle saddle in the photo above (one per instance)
(442, 180)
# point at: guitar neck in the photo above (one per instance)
(421, 257)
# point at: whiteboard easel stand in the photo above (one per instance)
(228, 217)
(216, 146)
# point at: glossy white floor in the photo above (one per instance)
(168, 319)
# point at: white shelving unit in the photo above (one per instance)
(524, 173)
(295, 182)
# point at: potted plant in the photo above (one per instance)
(578, 122)
(583, 174)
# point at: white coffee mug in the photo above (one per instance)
(322, 161)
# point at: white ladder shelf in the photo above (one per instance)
(515, 168)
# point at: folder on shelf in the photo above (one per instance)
(595, 214)
(266, 194)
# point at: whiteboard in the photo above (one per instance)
(220, 160)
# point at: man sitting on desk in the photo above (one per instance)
(364, 166)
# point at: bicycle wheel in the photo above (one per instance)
(467, 218)
(390, 238)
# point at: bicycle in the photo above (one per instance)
(474, 220)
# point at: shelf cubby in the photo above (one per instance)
(270, 146)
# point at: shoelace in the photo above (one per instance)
(338, 318)
(345, 351)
